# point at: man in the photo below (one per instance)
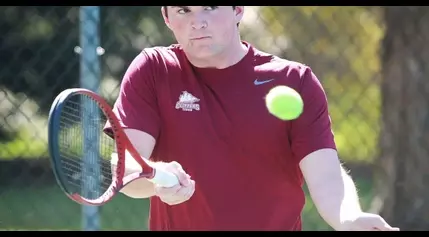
(197, 110)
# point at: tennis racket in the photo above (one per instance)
(81, 152)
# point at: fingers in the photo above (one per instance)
(162, 191)
(177, 194)
(387, 228)
(382, 225)
(177, 190)
(188, 191)
(369, 222)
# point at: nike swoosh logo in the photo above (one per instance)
(257, 82)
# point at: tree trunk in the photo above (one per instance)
(402, 170)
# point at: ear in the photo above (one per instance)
(239, 12)
(165, 16)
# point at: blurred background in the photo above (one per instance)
(372, 62)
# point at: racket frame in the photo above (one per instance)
(122, 142)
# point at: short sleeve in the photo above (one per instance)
(137, 107)
(312, 130)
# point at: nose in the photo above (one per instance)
(198, 22)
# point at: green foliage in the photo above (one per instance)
(341, 45)
(24, 145)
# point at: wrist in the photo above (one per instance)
(347, 218)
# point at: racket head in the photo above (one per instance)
(67, 147)
(66, 111)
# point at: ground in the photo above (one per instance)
(49, 209)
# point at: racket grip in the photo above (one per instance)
(164, 178)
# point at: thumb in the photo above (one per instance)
(184, 179)
(177, 169)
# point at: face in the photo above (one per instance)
(204, 31)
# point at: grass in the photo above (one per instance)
(47, 208)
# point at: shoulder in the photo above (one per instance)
(155, 63)
(162, 56)
(291, 73)
(270, 62)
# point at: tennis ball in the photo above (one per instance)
(284, 103)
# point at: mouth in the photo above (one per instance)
(201, 38)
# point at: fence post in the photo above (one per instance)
(90, 76)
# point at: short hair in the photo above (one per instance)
(166, 12)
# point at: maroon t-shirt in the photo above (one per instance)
(214, 122)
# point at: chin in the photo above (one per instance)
(204, 54)
(200, 53)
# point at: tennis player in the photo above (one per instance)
(197, 109)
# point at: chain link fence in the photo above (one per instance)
(347, 47)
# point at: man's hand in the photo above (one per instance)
(179, 193)
(367, 222)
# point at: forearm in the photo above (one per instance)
(144, 144)
(336, 199)
(140, 188)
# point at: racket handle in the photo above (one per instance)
(164, 178)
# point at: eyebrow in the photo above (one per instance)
(186, 7)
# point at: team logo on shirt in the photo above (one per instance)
(187, 102)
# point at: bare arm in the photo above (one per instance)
(144, 143)
(331, 188)
(137, 102)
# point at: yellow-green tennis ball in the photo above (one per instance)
(284, 103)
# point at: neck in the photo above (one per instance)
(228, 57)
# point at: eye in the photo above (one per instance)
(182, 11)
(210, 8)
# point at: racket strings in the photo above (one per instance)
(84, 149)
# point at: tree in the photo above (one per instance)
(403, 166)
